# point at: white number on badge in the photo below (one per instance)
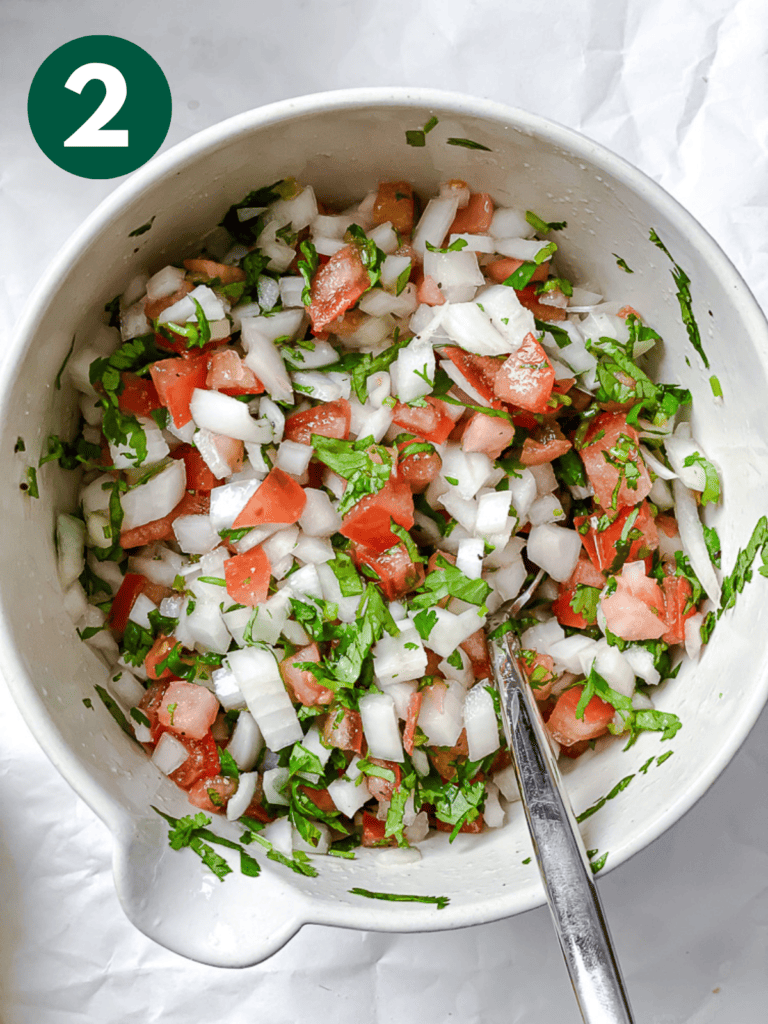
(93, 132)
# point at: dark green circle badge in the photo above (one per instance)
(99, 106)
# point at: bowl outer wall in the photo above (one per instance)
(610, 206)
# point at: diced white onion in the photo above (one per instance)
(155, 498)
(241, 798)
(221, 414)
(70, 541)
(169, 754)
(377, 711)
(441, 717)
(692, 536)
(265, 360)
(246, 742)
(195, 534)
(433, 225)
(165, 282)
(259, 679)
(554, 549)
(480, 723)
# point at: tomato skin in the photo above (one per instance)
(480, 371)
(476, 649)
(398, 574)
(130, 588)
(336, 287)
(150, 705)
(153, 309)
(247, 576)
(228, 373)
(388, 207)
(139, 396)
(188, 710)
(199, 476)
(547, 444)
(223, 787)
(162, 529)
(343, 728)
(382, 789)
(209, 268)
(635, 611)
(175, 380)
(412, 718)
(499, 270)
(601, 545)
(332, 419)
(469, 827)
(368, 522)
(373, 831)
(301, 685)
(677, 594)
(585, 574)
(526, 378)
(321, 798)
(428, 292)
(159, 651)
(278, 499)
(566, 728)
(420, 469)
(202, 763)
(608, 430)
(529, 298)
(431, 422)
(488, 434)
(475, 218)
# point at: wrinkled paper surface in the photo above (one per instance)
(679, 88)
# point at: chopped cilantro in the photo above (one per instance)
(711, 492)
(440, 901)
(57, 378)
(683, 283)
(543, 226)
(448, 581)
(468, 144)
(31, 485)
(623, 264)
(353, 461)
(144, 227)
(417, 136)
(116, 711)
(717, 389)
(457, 246)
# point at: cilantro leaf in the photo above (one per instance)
(448, 581)
(711, 492)
(370, 253)
(353, 460)
(543, 226)
(440, 901)
(308, 268)
(468, 144)
(683, 283)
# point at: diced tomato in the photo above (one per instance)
(278, 499)
(469, 827)
(476, 649)
(444, 760)
(428, 292)
(635, 611)
(574, 750)
(547, 444)
(156, 592)
(202, 763)
(475, 218)
(212, 795)
(124, 600)
(150, 705)
(677, 598)
(139, 396)
(488, 434)
(248, 576)
(373, 831)
(540, 669)
(199, 477)
(321, 798)
(411, 720)
(613, 462)
(159, 651)
(188, 710)
(627, 311)
(152, 310)
(175, 380)
(526, 378)
(344, 729)
(394, 202)
(382, 789)
(256, 808)
(586, 575)
(331, 419)
(667, 524)
(209, 268)
(368, 522)
(178, 344)
(302, 686)
(346, 325)
(529, 298)
(398, 573)
(609, 549)
(336, 287)
(162, 529)
(566, 728)
(228, 373)
(419, 469)
(430, 422)
(500, 270)
(480, 371)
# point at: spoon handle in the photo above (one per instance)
(571, 893)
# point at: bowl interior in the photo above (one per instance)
(343, 145)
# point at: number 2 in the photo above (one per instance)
(92, 132)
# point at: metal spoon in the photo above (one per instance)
(568, 881)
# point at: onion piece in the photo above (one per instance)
(264, 359)
(433, 225)
(480, 723)
(70, 544)
(155, 498)
(692, 537)
(241, 798)
(377, 711)
(246, 742)
(221, 414)
(169, 754)
(259, 679)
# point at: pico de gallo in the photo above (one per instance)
(319, 454)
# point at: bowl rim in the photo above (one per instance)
(118, 819)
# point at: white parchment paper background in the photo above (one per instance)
(680, 88)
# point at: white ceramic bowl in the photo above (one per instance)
(343, 143)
